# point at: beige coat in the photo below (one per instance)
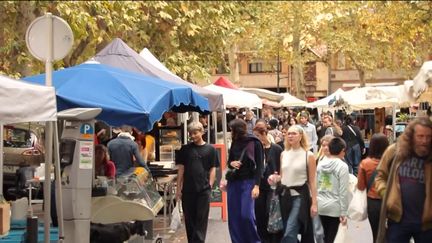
(392, 196)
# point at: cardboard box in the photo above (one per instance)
(4, 218)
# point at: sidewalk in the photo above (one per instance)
(217, 230)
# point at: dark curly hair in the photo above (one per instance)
(405, 141)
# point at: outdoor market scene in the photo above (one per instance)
(216, 121)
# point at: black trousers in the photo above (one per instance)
(330, 225)
(373, 208)
(262, 216)
(196, 207)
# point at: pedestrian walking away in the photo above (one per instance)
(332, 178)
(366, 178)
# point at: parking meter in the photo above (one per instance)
(77, 160)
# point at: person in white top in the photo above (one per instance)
(310, 130)
(297, 188)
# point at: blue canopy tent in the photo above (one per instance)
(125, 97)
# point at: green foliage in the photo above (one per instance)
(189, 37)
(192, 37)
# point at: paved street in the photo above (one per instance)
(358, 232)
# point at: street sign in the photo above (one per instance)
(38, 36)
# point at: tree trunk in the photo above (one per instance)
(362, 77)
(26, 13)
(234, 64)
(298, 74)
(360, 69)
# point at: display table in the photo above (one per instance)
(166, 184)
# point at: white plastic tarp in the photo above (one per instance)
(289, 101)
(23, 102)
(359, 99)
(324, 102)
(423, 79)
(264, 94)
(215, 99)
(236, 98)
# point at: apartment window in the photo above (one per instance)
(260, 67)
(341, 61)
(310, 71)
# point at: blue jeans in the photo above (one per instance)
(402, 232)
(353, 157)
(292, 226)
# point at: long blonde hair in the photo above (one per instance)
(303, 141)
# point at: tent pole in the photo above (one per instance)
(47, 182)
(208, 128)
(58, 186)
(224, 129)
(1, 160)
(215, 125)
(394, 122)
(185, 128)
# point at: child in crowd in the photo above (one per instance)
(333, 177)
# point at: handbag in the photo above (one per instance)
(230, 173)
(275, 223)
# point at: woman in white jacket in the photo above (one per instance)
(332, 185)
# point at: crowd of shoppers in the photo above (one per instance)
(307, 163)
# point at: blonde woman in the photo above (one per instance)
(324, 149)
(297, 187)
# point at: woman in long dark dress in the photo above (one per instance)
(272, 153)
(246, 161)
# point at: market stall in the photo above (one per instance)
(23, 102)
(125, 97)
(291, 101)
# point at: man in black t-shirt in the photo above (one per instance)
(196, 162)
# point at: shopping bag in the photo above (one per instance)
(341, 235)
(275, 223)
(357, 209)
(352, 185)
(318, 229)
(175, 218)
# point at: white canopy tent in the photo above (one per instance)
(290, 100)
(324, 102)
(236, 98)
(423, 79)
(264, 94)
(368, 98)
(25, 102)
(152, 63)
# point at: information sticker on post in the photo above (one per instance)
(49, 38)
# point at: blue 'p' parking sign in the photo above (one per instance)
(86, 130)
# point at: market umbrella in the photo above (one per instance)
(119, 54)
(125, 97)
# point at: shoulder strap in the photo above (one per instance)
(371, 179)
(307, 168)
(352, 130)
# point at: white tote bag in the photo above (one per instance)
(341, 236)
(175, 218)
(357, 209)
